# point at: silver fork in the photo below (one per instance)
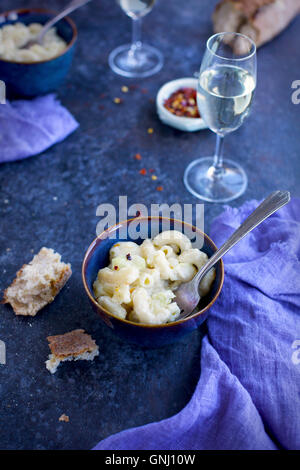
(73, 5)
(187, 294)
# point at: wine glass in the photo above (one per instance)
(226, 85)
(136, 59)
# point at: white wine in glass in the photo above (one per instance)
(136, 8)
(226, 85)
(225, 96)
(136, 59)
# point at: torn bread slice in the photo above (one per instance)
(72, 346)
(37, 283)
(261, 20)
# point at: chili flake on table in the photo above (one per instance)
(183, 102)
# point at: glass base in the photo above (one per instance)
(201, 180)
(140, 62)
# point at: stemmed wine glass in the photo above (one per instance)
(226, 84)
(136, 59)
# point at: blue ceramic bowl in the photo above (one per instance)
(153, 336)
(38, 78)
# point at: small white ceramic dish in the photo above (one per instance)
(179, 122)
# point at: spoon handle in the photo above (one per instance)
(271, 204)
(73, 5)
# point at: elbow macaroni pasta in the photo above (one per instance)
(140, 280)
(14, 36)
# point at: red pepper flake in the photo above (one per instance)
(151, 170)
(138, 156)
(143, 171)
(159, 188)
(144, 91)
(116, 268)
(128, 256)
(183, 102)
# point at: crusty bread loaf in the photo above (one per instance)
(37, 283)
(72, 346)
(261, 20)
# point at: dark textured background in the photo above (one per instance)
(51, 200)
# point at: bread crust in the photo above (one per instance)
(73, 343)
(247, 7)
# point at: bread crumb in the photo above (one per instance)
(64, 418)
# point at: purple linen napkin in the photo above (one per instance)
(248, 394)
(28, 127)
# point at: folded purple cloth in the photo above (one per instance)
(29, 127)
(248, 394)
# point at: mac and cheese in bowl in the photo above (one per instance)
(14, 36)
(139, 283)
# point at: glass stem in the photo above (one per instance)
(218, 157)
(136, 41)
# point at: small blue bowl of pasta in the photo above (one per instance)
(26, 78)
(106, 260)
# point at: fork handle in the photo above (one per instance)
(271, 204)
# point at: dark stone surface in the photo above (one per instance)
(51, 200)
